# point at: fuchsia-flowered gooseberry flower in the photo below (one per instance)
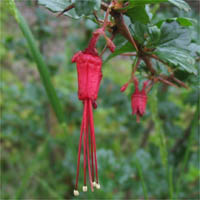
(89, 78)
(138, 98)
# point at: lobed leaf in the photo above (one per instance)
(179, 3)
(154, 36)
(178, 58)
(183, 21)
(139, 31)
(133, 3)
(82, 7)
(138, 14)
(59, 6)
(86, 7)
(174, 35)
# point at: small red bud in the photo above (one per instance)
(110, 44)
(123, 88)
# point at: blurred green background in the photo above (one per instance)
(157, 158)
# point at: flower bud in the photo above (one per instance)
(123, 88)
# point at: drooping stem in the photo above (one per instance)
(135, 67)
(92, 43)
(66, 9)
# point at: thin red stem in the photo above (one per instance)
(106, 17)
(93, 136)
(79, 148)
(93, 41)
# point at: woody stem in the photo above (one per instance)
(66, 9)
(135, 66)
(129, 54)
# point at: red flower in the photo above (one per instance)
(89, 75)
(89, 78)
(139, 100)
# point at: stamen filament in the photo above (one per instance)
(92, 154)
(79, 148)
(88, 155)
(84, 147)
(93, 137)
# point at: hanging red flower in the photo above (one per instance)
(89, 78)
(139, 100)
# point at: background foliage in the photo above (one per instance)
(157, 158)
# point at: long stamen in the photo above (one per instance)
(92, 154)
(84, 147)
(76, 193)
(88, 155)
(94, 143)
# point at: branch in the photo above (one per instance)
(123, 29)
(180, 82)
(129, 54)
(104, 6)
(170, 70)
(164, 80)
(66, 9)
(148, 63)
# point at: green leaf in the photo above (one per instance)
(180, 4)
(138, 14)
(174, 35)
(183, 21)
(178, 58)
(59, 6)
(86, 7)
(141, 175)
(139, 31)
(154, 36)
(133, 3)
(41, 66)
(124, 48)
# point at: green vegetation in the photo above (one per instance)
(41, 114)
